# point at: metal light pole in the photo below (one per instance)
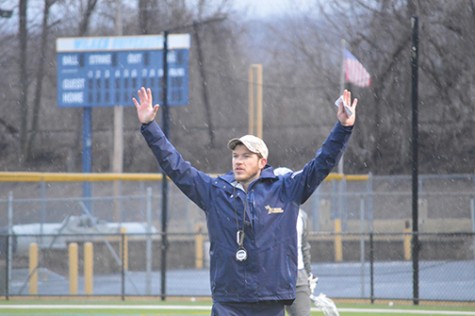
(415, 171)
(166, 131)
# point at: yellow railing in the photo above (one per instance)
(76, 177)
(96, 177)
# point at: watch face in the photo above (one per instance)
(241, 255)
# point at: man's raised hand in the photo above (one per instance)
(146, 112)
(343, 117)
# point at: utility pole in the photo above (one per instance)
(255, 100)
(118, 151)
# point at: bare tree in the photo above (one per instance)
(39, 79)
(379, 34)
(9, 127)
(445, 68)
(86, 15)
(147, 8)
(23, 98)
(300, 52)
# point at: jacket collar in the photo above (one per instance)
(267, 173)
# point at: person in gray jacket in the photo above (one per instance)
(302, 303)
(251, 214)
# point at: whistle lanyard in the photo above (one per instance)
(241, 253)
(240, 232)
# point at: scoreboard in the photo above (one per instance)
(108, 71)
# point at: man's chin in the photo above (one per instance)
(239, 177)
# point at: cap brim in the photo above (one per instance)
(233, 143)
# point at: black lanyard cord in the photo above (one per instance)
(239, 232)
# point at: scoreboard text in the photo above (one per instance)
(108, 71)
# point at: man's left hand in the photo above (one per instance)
(343, 117)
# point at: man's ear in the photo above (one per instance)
(262, 163)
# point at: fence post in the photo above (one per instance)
(338, 241)
(3, 262)
(149, 243)
(73, 268)
(7, 269)
(88, 268)
(124, 248)
(33, 268)
(362, 245)
(10, 235)
(43, 210)
(407, 239)
(472, 211)
(123, 263)
(371, 266)
(369, 204)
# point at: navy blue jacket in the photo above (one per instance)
(271, 205)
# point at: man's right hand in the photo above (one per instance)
(312, 282)
(145, 111)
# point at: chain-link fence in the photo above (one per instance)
(373, 266)
(360, 233)
(380, 266)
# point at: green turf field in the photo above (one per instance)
(66, 308)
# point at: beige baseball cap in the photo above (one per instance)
(253, 143)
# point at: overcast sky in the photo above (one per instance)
(260, 8)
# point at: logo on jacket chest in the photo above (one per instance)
(273, 210)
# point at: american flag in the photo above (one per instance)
(355, 71)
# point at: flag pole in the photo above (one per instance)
(341, 184)
(342, 73)
(342, 87)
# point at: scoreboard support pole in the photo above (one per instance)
(87, 154)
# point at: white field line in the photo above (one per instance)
(105, 307)
(208, 308)
(401, 311)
